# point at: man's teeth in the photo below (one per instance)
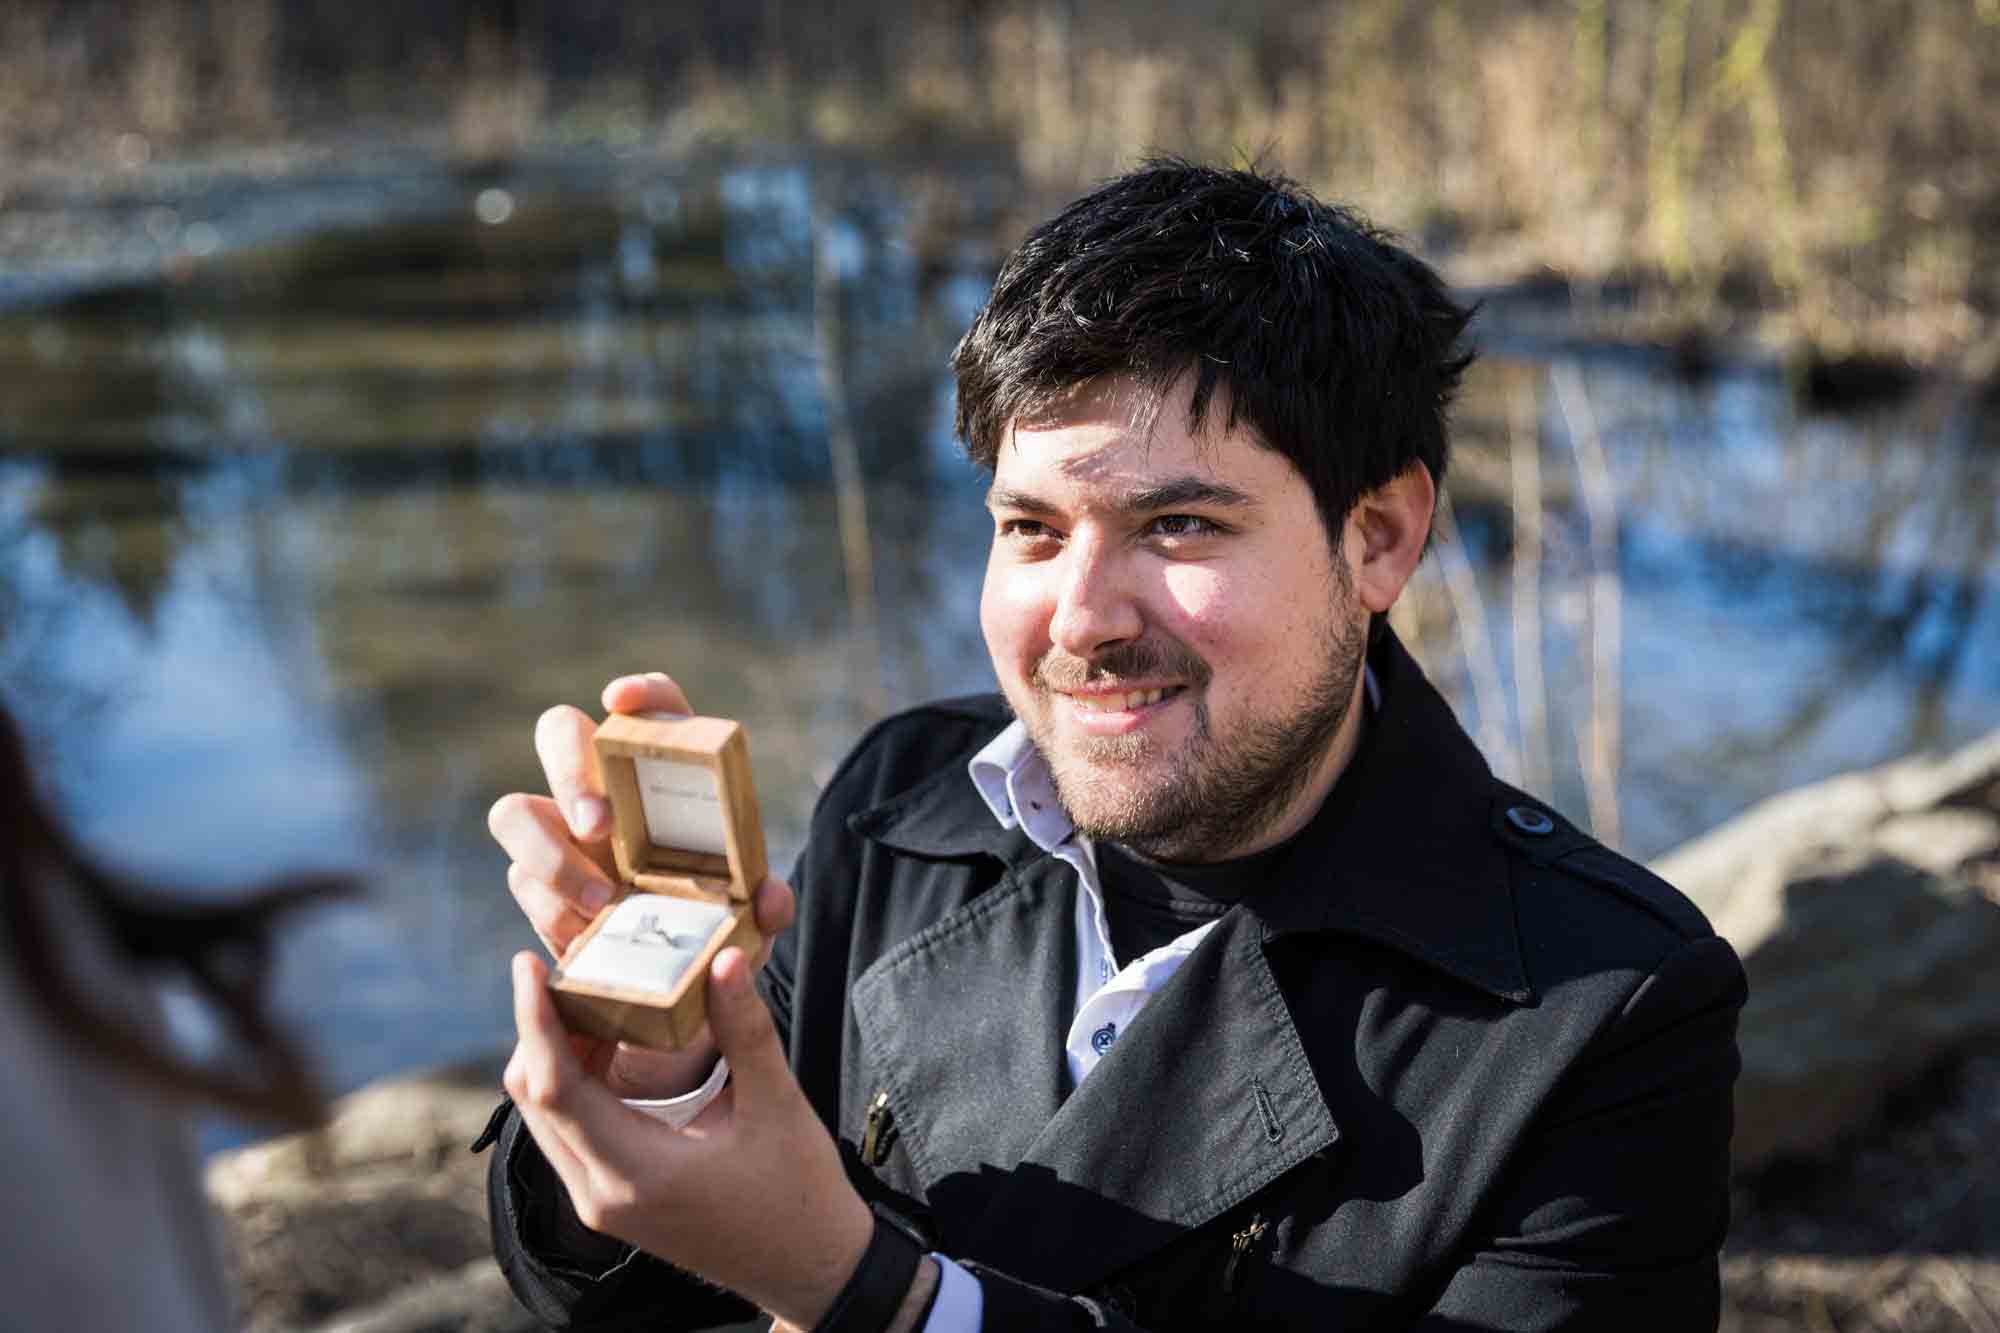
(1118, 703)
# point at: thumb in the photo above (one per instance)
(743, 1029)
(653, 692)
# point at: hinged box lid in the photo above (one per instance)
(684, 812)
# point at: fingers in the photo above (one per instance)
(654, 692)
(534, 1077)
(744, 1032)
(562, 743)
(546, 1063)
(564, 1162)
(532, 833)
(556, 920)
(560, 1102)
(775, 908)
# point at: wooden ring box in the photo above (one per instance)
(689, 846)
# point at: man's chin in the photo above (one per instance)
(1129, 766)
(1112, 758)
(1117, 800)
(1113, 786)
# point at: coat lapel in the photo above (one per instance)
(962, 1026)
(1206, 1099)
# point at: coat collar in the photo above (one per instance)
(1403, 853)
(943, 816)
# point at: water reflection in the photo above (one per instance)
(292, 554)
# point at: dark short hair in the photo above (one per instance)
(1338, 347)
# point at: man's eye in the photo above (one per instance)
(1024, 529)
(1184, 525)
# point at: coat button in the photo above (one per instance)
(1530, 820)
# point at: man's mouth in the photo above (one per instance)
(1120, 701)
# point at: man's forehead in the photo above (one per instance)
(1108, 457)
(1102, 440)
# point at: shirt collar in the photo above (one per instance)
(1014, 781)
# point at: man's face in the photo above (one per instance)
(1169, 621)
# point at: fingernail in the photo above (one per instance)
(595, 895)
(659, 675)
(586, 813)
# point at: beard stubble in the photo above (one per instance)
(1224, 791)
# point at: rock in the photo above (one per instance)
(1867, 913)
(473, 1299)
(1782, 1293)
(377, 1221)
(393, 1128)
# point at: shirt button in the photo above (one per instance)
(1100, 1040)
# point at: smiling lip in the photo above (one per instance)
(1113, 711)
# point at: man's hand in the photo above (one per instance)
(751, 1196)
(560, 872)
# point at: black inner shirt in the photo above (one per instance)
(1148, 903)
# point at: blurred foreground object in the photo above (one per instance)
(108, 1226)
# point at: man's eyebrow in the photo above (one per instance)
(1175, 493)
(1020, 502)
(1182, 491)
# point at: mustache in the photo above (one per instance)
(1143, 659)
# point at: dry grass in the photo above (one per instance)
(1817, 170)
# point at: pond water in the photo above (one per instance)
(296, 545)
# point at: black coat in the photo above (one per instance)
(1457, 1067)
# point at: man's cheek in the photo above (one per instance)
(1015, 621)
(1203, 596)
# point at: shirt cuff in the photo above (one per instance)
(960, 1304)
(680, 1111)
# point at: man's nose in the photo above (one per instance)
(1096, 606)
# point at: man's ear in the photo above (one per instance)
(1385, 536)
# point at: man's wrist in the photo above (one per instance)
(679, 1111)
(879, 1281)
(650, 1075)
(913, 1314)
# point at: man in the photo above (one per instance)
(1220, 984)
